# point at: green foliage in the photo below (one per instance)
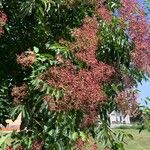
(115, 48)
(114, 44)
(27, 30)
(38, 25)
(145, 116)
(3, 139)
(5, 103)
(113, 5)
(55, 129)
(106, 136)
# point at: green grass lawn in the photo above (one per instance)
(141, 140)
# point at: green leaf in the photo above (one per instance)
(83, 136)
(4, 138)
(130, 136)
(74, 136)
(36, 50)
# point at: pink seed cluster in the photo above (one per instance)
(83, 87)
(127, 101)
(104, 14)
(89, 144)
(36, 145)
(19, 93)
(138, 30)
(26, 59)
(3, 19)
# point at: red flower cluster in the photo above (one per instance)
(26, 59)
(86, 145)
(37, 145)
(19, 93)
(89, 118)
(82, 88)
(91, 145)
(104, 13)
(128, 81)
(79, 144)
(86, 46)
(127, 101)
(86, 41)
(9, 148)
(138, 31)
(3, 19)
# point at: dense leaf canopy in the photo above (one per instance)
(65, 65)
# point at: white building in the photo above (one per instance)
(117, 118)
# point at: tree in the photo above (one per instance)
(66, 65)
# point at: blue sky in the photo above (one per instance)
(144, 91)
(145, 87)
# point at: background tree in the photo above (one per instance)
(65, 65)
